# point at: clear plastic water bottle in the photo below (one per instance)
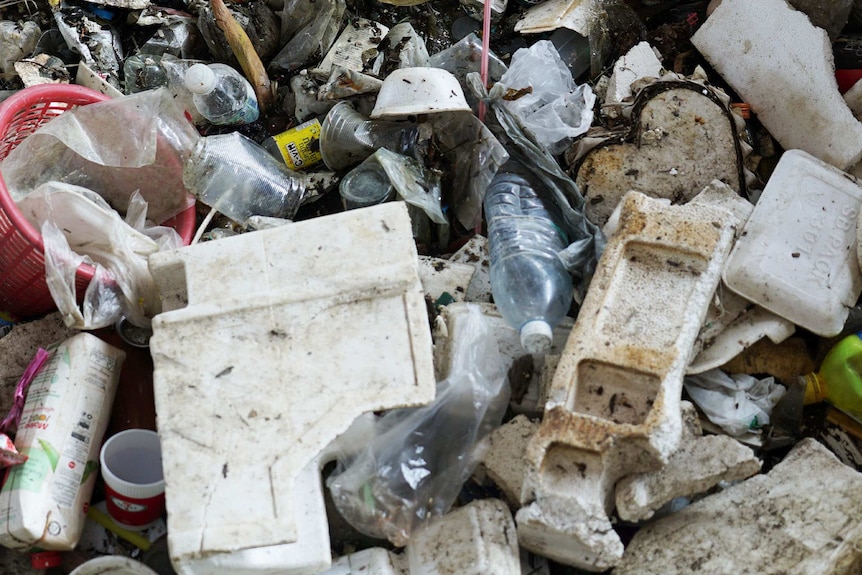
(221, 94)
(531, 287)
(234, 175)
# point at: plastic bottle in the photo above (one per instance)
(531, 287)
(839, 379)
(234, 175)
(221, 94)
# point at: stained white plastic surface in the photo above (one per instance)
(796, 256)
(274, 342)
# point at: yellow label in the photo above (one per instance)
(300, 146)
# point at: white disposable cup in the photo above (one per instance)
(131, 464)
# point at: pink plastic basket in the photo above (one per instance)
(23, 291)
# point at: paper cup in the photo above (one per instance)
(131, 464)
(114, 565)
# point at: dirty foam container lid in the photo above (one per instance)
(796, 255)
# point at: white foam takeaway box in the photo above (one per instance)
(796, 255)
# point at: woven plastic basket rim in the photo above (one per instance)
(73, 95)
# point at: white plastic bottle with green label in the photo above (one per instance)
(221, 94)
(43, 502)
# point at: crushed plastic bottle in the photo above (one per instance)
(234, 175)
(221, 94)
(530, 284)
(839, 379)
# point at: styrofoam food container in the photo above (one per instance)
(410, 91)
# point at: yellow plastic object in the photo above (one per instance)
(839, 380)
(299, 147)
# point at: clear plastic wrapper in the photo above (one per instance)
(414, 183)
(474, 155)
(465, 56)
(237, 177)
(402, 47)
(94, 233)
(414, 467)
(309, 27)
(555, 110)
(737, 403)
(114, 148)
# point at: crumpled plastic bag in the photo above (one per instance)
(115, 148)
(737, 403)
(554, 109)
(419, 459)
(94, 233)
(18, 40)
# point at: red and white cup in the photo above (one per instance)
(131, 464)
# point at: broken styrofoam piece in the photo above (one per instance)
(577, 15)
(732, 322)
(614, 406)
(853, 99)
(307, 553)
(279, 359)
(796, 256)
(89, 78)
(441, 277)
(682, 137)
(803, 517)
(752, 326)
(475, 252)
(759, 48)
(476, 539)
(373, 561)
(503, 462)
(508, 341)
(639, 62)
(698, 465)
(42, 69)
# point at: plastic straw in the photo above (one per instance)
(486, 48)
(105, 521)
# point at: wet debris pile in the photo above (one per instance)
(398, 287)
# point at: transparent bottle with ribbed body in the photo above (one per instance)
(221, 94)
(530, 284)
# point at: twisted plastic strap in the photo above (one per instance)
(10, 423)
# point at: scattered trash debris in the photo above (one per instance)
(808, 532)
(290, 264)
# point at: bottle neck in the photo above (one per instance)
(815, 389)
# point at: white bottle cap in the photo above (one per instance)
(200, 79)
(536, 336)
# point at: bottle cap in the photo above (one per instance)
(536, 336)
(200, 79)
(813, 389)
(45, 559)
